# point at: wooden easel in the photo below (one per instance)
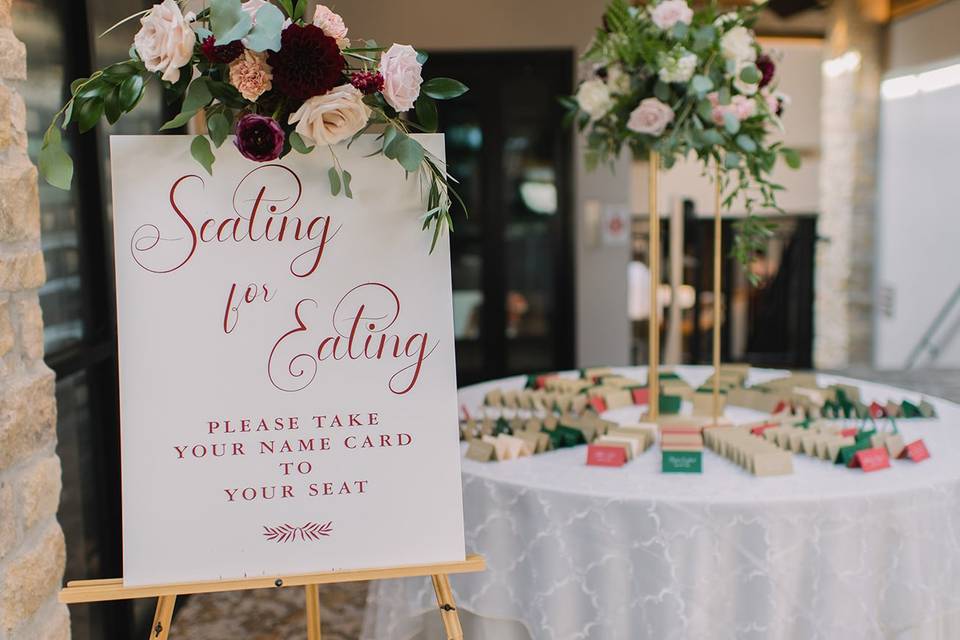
(80, 591)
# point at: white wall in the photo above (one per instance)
(918, 262)
(603, 328)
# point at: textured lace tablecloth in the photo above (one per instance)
(577, 552)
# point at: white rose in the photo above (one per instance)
(165, 40)
(594, 98)
(618, 82)
(330, 23)
(678, 69)
(650, 117)
(670, 12)
(331, 117)
(737, 45)
(402, 77)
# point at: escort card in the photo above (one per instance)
(916, 451)
(606, 455)
(288, 389)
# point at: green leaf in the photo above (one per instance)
(679, 30)
(750, 74)
(299, 144)
(705, 110)
(287, 6)
(88, 113)
(443, 88)
(704, 37)
(96, 88)
(111, 106)
(334, 181)
(712, 137)
(422, 57)
(701, 84)
(266, 32)
(219, 127)
(54, 163)
(346, 184)
(731, 123)
(390, 136)
(180, 120)
(731, 160)
(130, 92)
(662, 91)
(201, 152)
(723, 96)
(117, 73)
(791, 157)
(427, 112)
(228, 21)
(174, 91)
(746, 143)
(198, 95)
(76, 84)
(409, 154)
(300, 9)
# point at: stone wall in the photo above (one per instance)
(31, 542)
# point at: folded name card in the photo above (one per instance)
(916, 451)
(871, 459)
(606, 455)
(679, 461)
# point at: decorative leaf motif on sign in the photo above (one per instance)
(289, 533)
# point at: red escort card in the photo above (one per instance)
(598, 403)
(641, 395)
(916, 451)
(877, 410)
(871, 459)
(758, 430)
(850, 432)
(600, 455)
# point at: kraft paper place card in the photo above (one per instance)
(618, 399)
(511, 398)
(493, 398)
(633, 444)
(537, 442)
(516, 447)
(481, 451)
(772, 463)
(892, 442)
(703, 403)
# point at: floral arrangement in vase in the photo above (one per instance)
(277, 82)
(676, 80)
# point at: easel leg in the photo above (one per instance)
(313, 611)
(162, 618)
(448, 609)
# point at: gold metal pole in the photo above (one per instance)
(717, 264)
(653, 370)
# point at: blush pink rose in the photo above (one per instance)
(331, 23)
(670, 12)
(332, 117)
(165, 40)
(650, 117)
(251, 74)
(401, 76)
(741, 107)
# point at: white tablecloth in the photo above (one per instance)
(578, 552)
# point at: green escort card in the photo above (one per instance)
(567, 436)
(910, 410)
(502, 426)
(682, 462)
(848, 452)
(670, 404)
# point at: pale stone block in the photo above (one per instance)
(8, 523)
(6, 329)
(39, 489)
(52, 622)
(30, 319)
(35, 571)
(24, 270)
(5, 13)
(19, 199)
(13, 56)
(28, 416)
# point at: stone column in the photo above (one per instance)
(32, 552)
(848, 171)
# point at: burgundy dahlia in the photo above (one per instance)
(367, 82)
(221, 53)
(767, 69)
(308, 64)
(258, 138)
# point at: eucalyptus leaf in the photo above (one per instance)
(334, 181)
(731, 160)
(662, 91)
(443, 88)
(679, 30)
(202, 153)
(409, 154)
(390, 136)
(299, 144)
(712, 137)
(219, 127)
(198, 95)
(265, 34)
(791, 157)
(746, 143)
(730, 123)
(54, 163)
(701, 84)
(422, 57)
(346, 184)
(228, 21)
(750, 74)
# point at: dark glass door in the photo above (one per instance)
(512, 258)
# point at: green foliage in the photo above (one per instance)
(202, 153)
(298, 143)
(55, 164)
(228, 21)
(443, 88)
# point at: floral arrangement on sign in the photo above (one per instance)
(675, 80)
(274, 80)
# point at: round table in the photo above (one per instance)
(578, 552)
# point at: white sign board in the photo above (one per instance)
(287, 379)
